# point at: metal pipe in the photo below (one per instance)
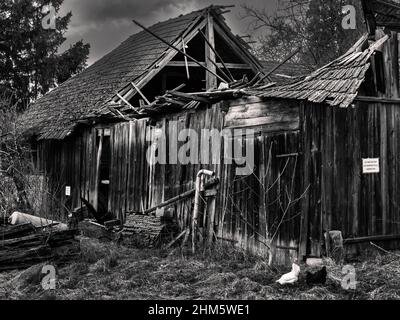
(199, 186)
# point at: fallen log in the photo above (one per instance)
(18, 218)
(9, 231)
(14, 258)
(42, 246)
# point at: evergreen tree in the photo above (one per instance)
(30, 64)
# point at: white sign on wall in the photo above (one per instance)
(370, 165)
(68, 191)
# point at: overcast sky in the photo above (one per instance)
(106, 23)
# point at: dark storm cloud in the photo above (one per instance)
(105, 10)
(106, 23)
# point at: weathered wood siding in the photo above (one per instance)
(249, 209)
(341, 197)
(70, 162)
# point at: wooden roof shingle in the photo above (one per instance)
(55, 115)
(336, 84)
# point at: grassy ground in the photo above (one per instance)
(105, 271)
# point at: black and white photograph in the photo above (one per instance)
(199, 156)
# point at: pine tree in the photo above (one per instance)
(30, 64)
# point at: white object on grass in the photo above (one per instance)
(291, 277)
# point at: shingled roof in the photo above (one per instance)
(336, 84)
(57, 113)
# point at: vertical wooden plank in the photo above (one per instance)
(211, 80)
(306, 148)
(384, 165)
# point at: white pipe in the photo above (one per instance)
(199, 188)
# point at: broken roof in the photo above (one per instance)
(56, 114)
(286, 72)
(336, 84)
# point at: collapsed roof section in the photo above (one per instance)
(287, 72)
(336, 84)
(120, 75)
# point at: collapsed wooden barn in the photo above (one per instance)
(306, 142)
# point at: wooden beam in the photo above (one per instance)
(211, 79)
(371, 238)
(217, 55)
(126, 102)
(213, 72)
(210, 184)
(377, 100)
(129, 92)
(188, 96)
(98, 163)
(223, 31)
(140, 92)
(220, 65)
(369, 16)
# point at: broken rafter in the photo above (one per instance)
(140, 92)
(119, 113)
(188, 96)
(126, 102)
(222, 71)
(217, 54)
(290, 56)
(176, 49)
(220, 65)
(186, 60)
(181, 86)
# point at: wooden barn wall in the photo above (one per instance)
(250, 210)
(341, 197)
(266, 204)
(139, 184)
(69, 162)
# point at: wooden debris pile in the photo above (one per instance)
(145, 231)
(24, 245)
(92, 229)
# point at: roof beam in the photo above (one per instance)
(128, 92)
(126, 102)
(176, 49)
(220, 65)
(211, 79)
(369, 16)
(223, 31)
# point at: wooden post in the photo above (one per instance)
(96, 186)
(306, 181)
(211, 79)
(211, 197)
